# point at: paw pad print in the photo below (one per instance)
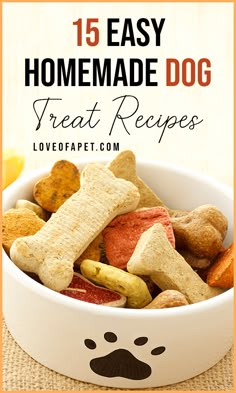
(121, 362)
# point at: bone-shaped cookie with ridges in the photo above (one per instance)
(154, 256)
(124, 166)
(51, 252)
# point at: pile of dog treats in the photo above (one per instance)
(103, 236)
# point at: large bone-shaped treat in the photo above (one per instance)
(154, 256)
(51, 252)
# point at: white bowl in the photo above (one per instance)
(65, 334)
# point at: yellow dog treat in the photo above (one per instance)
(154, 256)
(129, 285)
(52, 191)
(17, 223)
(52, 251)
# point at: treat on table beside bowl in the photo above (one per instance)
(119, 273)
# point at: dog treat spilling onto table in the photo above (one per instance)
(52, 191)
(122, 234)
(109, 239)
(51, 252)
(154, 256)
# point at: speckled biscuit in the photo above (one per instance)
(201, 231)
(52, 191)
(154, 256)
(17, 223)
(122, 234)
(65, 236)
(129, 285)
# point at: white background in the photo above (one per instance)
(194, 30)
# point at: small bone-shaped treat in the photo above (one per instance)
(124, 166)
(154, 256)
(52, 251)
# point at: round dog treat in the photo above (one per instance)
(17, 223)
(129, 285)
(167, 299)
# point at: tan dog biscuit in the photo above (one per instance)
(154, 256)
(129, 285)
(23, 203)
(52, 251)
(17, 223)
(167, 299)
(52, 191)
(124, 166)
(201, 231)
(122, 234)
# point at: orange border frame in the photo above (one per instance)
(123, 1)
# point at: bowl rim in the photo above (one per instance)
(24, 280)
(188, 172)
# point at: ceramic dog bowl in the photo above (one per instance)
(122, 348)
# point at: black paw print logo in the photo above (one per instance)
(121, 362)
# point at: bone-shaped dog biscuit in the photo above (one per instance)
(52, 251)
(154, 256)
(124, 166)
